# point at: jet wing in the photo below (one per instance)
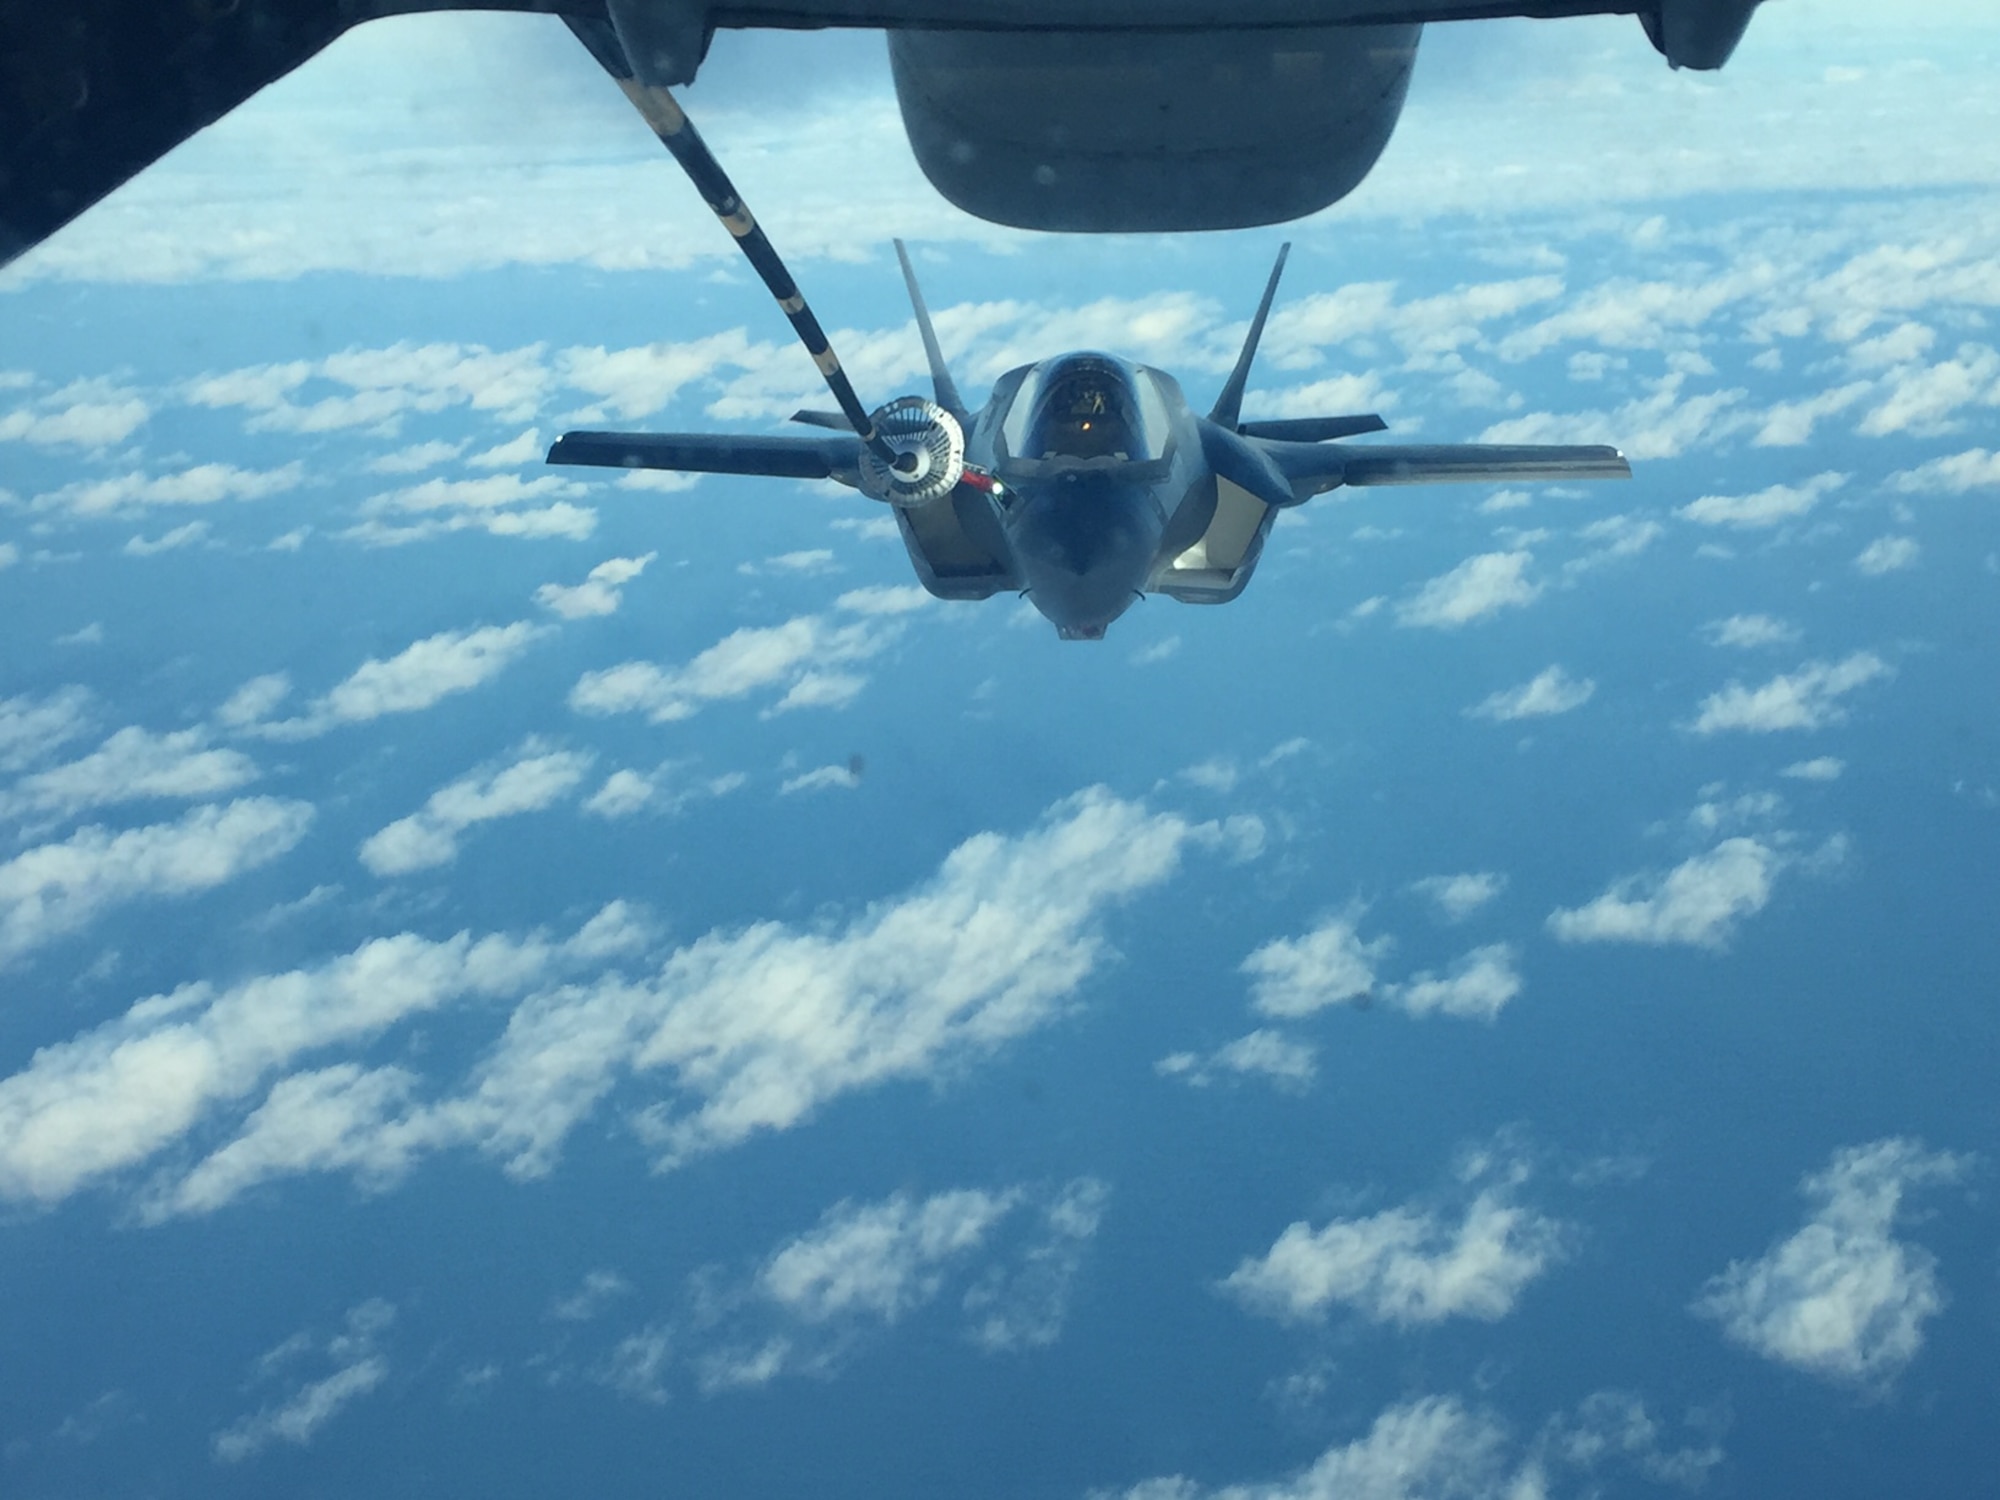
(829, 457)
(1316, 467)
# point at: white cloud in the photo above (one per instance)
(180, 536)
(825, 778)
(1922, 397)
(1664, 424)
(204, 484)
(626, 792)
(55, 889)
(1819, 768)
(536, 779)
(254, 701)
(415, 458)
(885, 599)
(1265, 1053)
(114, 1096)
(133, 764)
(871, 1265)
(1842, 1298)
(1430, 1447)
(1477, 987)
(1477, 587)
(1888, 554)
(1459, 896)
(599, 1290)
(359, 1367)
(1768, 507)
(1976, 468)
(452, 661)
(377, 388)
(881, 1259)
(1789, 424)
(1698, 902)
(1806, 699)
(83, 414)
(1436, 1448)
(30, 728)
(1330, 965)
(1411, 1265)
(637, 382)
(1550, 691)
(600, 593)
(802, 656)
(1747, 632)
(525, 449)
(742, 1032)
(9, 553)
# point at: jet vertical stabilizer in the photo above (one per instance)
(1229, 405)
(941, 381)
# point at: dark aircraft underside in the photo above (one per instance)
(1085, 115)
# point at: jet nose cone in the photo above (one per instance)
(1087, 546)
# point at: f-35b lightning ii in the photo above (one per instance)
(1084, 482)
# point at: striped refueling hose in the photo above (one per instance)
(677, 133)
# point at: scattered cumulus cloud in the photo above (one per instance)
(1551, 691)
(1476, 987)
(1698, 902)
(116, 1095)
(31, 728)
(865, 1267)
(809, 657)
(821, 779)
(535, 779)
(1806, 699)
(1459, 896)
(1749, 632)
(1842, 1298)
(170, 541)
(1330, 965)
(1767, 507)
(1888, 554)
(601, 591)
(1819, 768)
(52, 890)
(420, 675)
(359, 1366)
(1958, 474)
(1263, 1053)
(1478, 587)
(1413, 1265)
(735, 1034)
(91, 414)
(203, 484)
(1438, 1448)
(132, 765)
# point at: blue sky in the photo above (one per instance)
(521, 984)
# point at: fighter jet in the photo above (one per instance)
(1085, 482)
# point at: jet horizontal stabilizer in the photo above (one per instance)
(1313, 429)
(713, 453)
(836, 420)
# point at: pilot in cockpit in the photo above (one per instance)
(1085, 411)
